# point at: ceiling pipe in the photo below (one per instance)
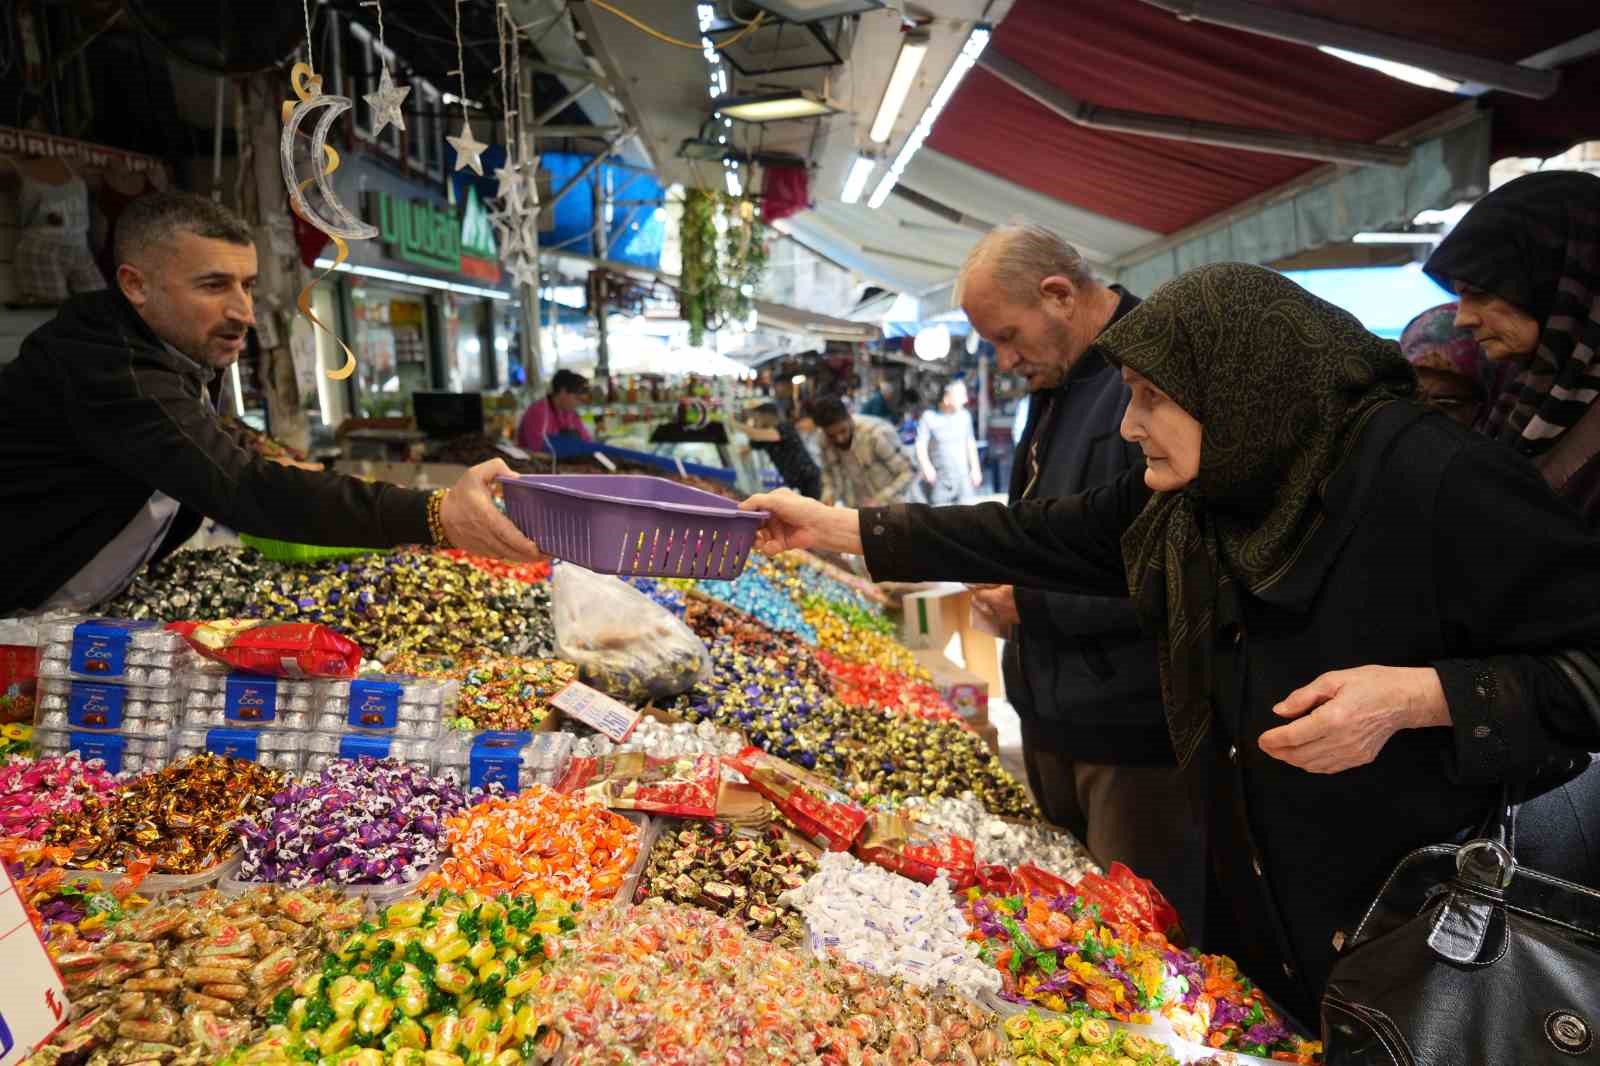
(1194, 131)
(1317, 32)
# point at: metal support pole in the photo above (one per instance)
(566, 101)
(597, 282)
(532, 349)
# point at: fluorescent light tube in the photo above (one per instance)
(906, 65)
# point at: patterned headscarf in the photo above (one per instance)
(1432, 341)
(1281, 383)
(1535, 242)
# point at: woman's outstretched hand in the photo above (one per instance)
(794, 521)
(1345, 717)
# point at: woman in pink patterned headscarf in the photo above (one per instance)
(1452, 371)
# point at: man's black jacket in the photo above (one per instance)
(1082, 675)
(96, 413)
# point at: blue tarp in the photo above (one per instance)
(1383, 298)
(637, 228)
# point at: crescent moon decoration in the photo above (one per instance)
(345, 226)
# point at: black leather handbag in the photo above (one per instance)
(1468, 959)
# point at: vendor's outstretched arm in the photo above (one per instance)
(1073, 544)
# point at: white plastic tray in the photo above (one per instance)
(162, 884)
(380, 895)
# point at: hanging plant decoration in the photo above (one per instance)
(724, 251)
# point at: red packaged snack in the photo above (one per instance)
(916, 850)
(1125, 897)
(684, 785)
(273, 649)
(823, 814)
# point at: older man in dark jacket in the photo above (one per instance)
(1081, 675)
(111, 448)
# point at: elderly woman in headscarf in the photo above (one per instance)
(1525, 263)
(1358, 649)
(1452, 373)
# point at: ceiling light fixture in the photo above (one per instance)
(958, 70)
(855, 183)
(1379, 237)
(912, 52)
(774, 107)
(410, 279)
(813, 10)
(1403, 71)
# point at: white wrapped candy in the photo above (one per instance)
(891, 925)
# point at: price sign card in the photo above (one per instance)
(33, 1001)
(593, 708)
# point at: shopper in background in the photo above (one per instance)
(863, 463)
(111, 449)
(1078, 669)
(1349, 705)
(1525, 262)
(557, 414)
(947, 450)
(770, 432)
(1452, 372)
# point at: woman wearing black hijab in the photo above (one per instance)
(1302, 520)
(1525, 263)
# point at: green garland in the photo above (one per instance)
(714, 279)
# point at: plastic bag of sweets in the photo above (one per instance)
(916, 850)
(623, 643)
(822, 813)
(273, 649)
(684, 785)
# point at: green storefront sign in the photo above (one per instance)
(418, 232)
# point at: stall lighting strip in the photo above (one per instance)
(381, 274)
(718, 84)
(947, 88)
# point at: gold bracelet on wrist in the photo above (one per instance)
(436, 519)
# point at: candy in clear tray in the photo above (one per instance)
(385, 703)
(515, 760)
(278, 748)
(97, 707)
(121, 752)
(323, 748)
(338, 722)
(110, 649)
(218, 700)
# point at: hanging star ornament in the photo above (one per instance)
(468, 149)
(385, 103)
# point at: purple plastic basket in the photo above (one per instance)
(633, 525)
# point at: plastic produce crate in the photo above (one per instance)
(633, 526)
(287, 551)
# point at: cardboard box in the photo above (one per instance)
(930, 618)
(964, 691)
(990, 735)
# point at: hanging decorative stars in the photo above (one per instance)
(468, 148)
(385, 103)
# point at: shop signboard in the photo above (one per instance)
(420, 232)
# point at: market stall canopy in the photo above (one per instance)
(1139, 58)
(793, 320)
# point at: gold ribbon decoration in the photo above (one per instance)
(344, 227)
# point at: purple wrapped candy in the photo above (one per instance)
(360, 822)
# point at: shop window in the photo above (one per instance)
(423, 129)
(391, 335)
(367, 59)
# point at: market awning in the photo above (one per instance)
(793, 320)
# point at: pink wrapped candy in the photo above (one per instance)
(32, 794)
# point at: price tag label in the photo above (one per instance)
(611, 717)
(605, 460)
(33, 1001)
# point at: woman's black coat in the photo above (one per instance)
(1439, 548)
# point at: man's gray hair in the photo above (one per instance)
(154, 219)
(1019, 256)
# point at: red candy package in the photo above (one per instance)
(823, 814)
(918, 851)
(273, 649)
(685, 785)
(1125, 897)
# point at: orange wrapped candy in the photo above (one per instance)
(534, 843)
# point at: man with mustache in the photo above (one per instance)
(112, 451)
